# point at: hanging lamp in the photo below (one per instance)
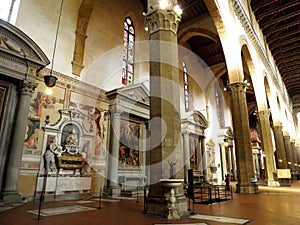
(50, 80)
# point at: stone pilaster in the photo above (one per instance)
(112, 187)
(280, 148)
(165, 125)
(241, 130)
(224, 160)
(288, 149)
(186, 155)
(267, 145)
(10, 190)
(294, 156)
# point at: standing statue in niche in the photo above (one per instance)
(52, 151)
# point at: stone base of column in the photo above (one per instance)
(250, 188)
(285, 182)
(273, 183)
(12, 197)
(161, 206)
(114, 191)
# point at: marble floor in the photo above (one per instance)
(272, 206)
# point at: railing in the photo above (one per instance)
(209, 194)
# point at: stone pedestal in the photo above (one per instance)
(54, 186)
(170, 184)
(170, 203)
(250, 188)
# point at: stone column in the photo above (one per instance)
(243, 149)
(165, 123)
(280, 148)
(267, 145)
(112, 187)
(186, 155)
(288, 149)
(10, 190)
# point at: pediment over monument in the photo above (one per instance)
(19, 53)
(132, 99)
(194, 122)
(138, 92)
(195, 117)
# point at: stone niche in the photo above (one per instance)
(65, 167)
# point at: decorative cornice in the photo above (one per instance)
(162, 20)
(247, 25)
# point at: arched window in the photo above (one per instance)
(186, 87)
(128, 52)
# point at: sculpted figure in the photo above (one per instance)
(71, 139)
(52, 151)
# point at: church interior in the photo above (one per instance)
(162, 101)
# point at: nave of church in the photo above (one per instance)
(173, 97)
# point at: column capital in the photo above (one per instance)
(27, 87)
(237, 87)
(115, 111)
(160, 19)
(277, 127)
(263, 114)
(185, 132)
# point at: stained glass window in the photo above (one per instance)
(128, 52)
(186, 87)
(219, 105)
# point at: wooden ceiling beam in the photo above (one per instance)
(281, 28)
(268, 23)
(278, 9)
(284, 43)
(278, 37)
(205, 48)
(288, 60)
(289, 54)
(289, 69)
(288, 64)
(291, 79)
(256, 5)
(286, 49)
